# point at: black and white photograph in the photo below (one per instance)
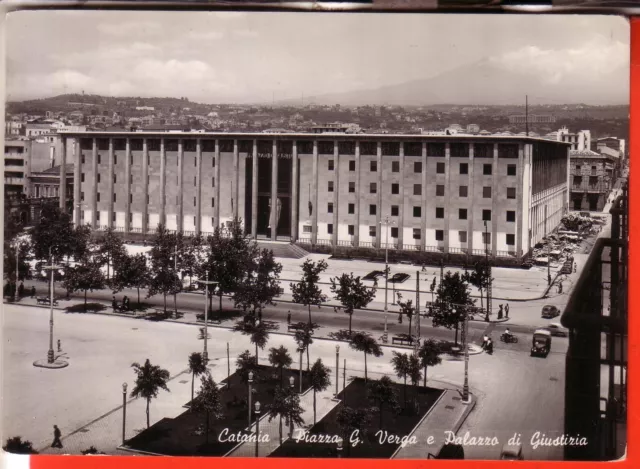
(315, 235)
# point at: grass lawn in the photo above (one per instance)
(354, 395)
(184, 435)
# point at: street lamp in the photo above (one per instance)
(291, 384)
(52, 267)
(249, 406)
(337, 368)
(206, 282)
(466, 398)
(124, 409)
(257, 425)
(386, 278)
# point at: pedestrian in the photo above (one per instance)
(489, 347)
(21, 289)
(125, 303)
(506, 310)
(33, 291)
(7, 289)
(56, 437)
(59, 346)
(500, 312)
(114, 304)
(560, 288)
(289, 318)
(485, 341)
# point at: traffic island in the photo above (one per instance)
(185, 435)
(382, 435)
(56, 364)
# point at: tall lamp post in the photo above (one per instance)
(386, 278)
(249, 406)
(52, 267)
(257, 426)
(124, 410)
(337, 369)
(465, 343)
(291, 385)
(206, 282)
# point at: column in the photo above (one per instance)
(356, 235)
(236, 191)
(110, 185)
(77, 207)
(336, 193)
(127, 179)
(273, 221)
(94, 170)
(216, 155)
(423, 241)
(494, 204)
(63, 174)
(163, 182)
(379, 194)
(447, 195)
(180, 220)
(294, 193)
(472, 210)
(400, 224)
(314, 195)
(145, 185)
(198, 186)
(254, 192)
(519, 197)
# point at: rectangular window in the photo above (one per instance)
(113, 217)
(114, 178)
(306, 228)
(462, 236)
(439, 212)
(372, 231)
(213, 221)
(195, 182)
(440, 168)
(394, 232)
(115, 159)
(99, 158)
(417, 212)
(440, 190)
(99, 177)
(417, 233)
(486, 192)
(213, 202)
(395, 166)
(330, 186)
(97, 216)
(352, 165)
(352, 186)
(439, 235)
(511, 192)
(395, 210)
(373, 188)
(417, 189)
(82, 177)
(351, 209)
(462, 213)
(83, 158)
(130, 217)
(395, 188)
(578, 167)
(373, 166)
(194, 201)
(147, 199)
(511, 240)
(464, 168)
(417, 167)
(463, 191)
(486, 238)
(350, 230)
(330, 228)
(98, 197)
(330, 164)
(213, 161)
(373, 209)
(330, 207)
(195, 165)
(130, 198)
(511, 170)
(486, 215)
(511, 215)
(82, 196)
(487, 169)
(213, 182)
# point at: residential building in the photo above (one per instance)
(16, 168)
(591, 177)
(333, 190)
(532, 119)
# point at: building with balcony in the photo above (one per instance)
(16, 168)
(596, 363)
(443, 194)
(591, 178)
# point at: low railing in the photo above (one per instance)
(323, 242)
(411, 247)
(434, 249)
(303, 240)
(366, 244)
(458, 250)
(389, 245)
(135, 230)
(346, 243)
(506, 253)
(479, 252)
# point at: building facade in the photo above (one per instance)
(450, 194)
(591, 177)
(17, 163)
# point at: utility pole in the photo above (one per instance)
(526, 114)
(417, 304)
(489, 282)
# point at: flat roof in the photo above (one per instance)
(307, 135)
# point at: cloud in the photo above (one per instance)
(99, 57)
(129, 28)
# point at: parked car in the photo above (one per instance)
(550, 311)
(557, 330)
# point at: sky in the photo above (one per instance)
(247, 57)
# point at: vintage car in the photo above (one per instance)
(512, 453)
(541, 343)
(556, 329)
(550, 312)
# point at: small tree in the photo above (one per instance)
(208, 401)
(429, 355)
(280, 358)
(164, 278)
(286, 404)
(319, 377)
(197, 366)
(383, 393)
(350, 420)
(150, 379)
(17, 445)
(306, 291)
(351, 293)
(261, 285)
(54, 234)
(415, 373)
(452, 302)
(110, 250)
(304, 336)
(258, 331)
(83, 277)
(406, 309)
(246, 363)
(132, 273)
(400, 363)
(363, 342)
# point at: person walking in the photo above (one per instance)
(485, 341)
(506, 310)
(500, 312)
(33, 291)
(21, 289)
(56, 437)
(289, 318)
(114, 304)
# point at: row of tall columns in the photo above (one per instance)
(254, 191)
(336, 193)
(379, 196)
(494, 198)
(63, 174)
(447, 192)
(199, 186)
(273, 222)
(294, 194)
(314, 192)
(519, 198)
(423, 159)
(77, 203)
(145, 183)
(216, 155)
(356, 237)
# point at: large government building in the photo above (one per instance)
(452, 194)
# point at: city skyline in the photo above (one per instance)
(213, 57)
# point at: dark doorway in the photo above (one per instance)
(577, 203)
(248, 185)
(263, 214)
(264, 195)
(593, 203)
(284, 195)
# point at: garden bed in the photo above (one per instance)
(400, 424)
(184, 435)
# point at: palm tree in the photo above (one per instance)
(383, 393)
(280, 358)
(400, 363)
(258, 331)
(208, 401)
(363, 342)
(319, 377)
(429, 355)
(286, 404)
(150, 379)
(197, 366)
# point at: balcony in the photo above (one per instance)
(14, 181)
